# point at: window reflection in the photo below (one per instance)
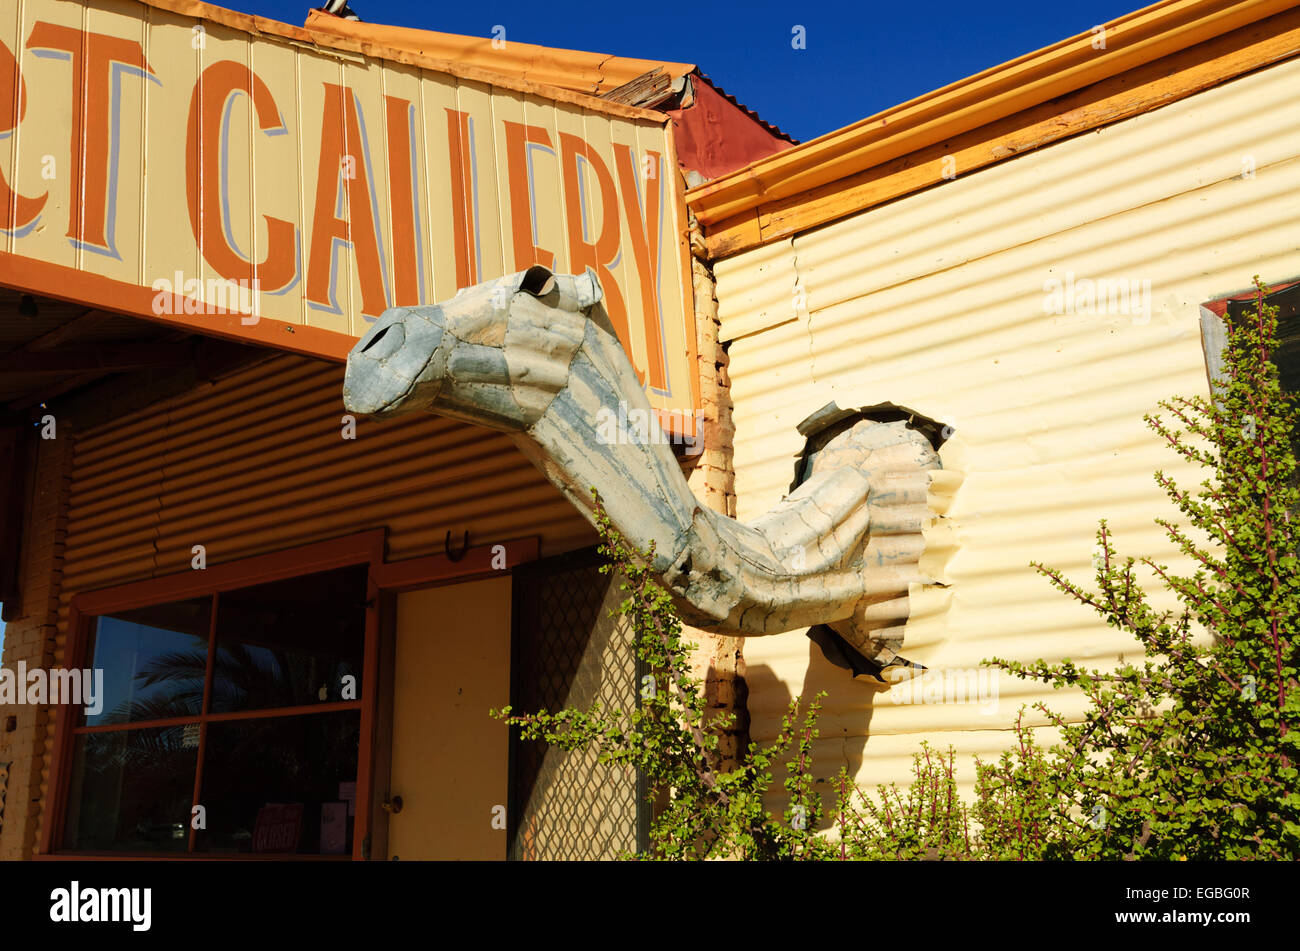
(294, 800)
(291, 643)
(132, 791)
(153, 660)
(274, 780)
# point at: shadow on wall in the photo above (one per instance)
(843, 726)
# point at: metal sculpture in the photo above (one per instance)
(534, 355)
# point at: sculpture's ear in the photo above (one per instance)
(587, 290)
(577, 293)
(538, 281)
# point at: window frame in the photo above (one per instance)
(1214, 332)
(362, 548)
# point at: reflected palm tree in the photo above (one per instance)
(244, 678)
(286, 644)
(140, 763)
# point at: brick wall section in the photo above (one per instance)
(31, 637)
(718, 659)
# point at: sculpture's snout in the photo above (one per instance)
(397, 357)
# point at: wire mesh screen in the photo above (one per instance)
(569, 652)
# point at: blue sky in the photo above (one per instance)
(860, 57)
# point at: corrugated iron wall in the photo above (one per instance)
(256, 462)
(939, 302)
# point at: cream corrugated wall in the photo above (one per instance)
(936, 302)
(256, 462)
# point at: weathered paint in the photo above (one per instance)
(936, 301)
(147, 157)
(587, 72)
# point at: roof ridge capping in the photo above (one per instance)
(1132, 40)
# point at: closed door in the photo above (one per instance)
(450, 759)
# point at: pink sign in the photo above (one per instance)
(278, 827)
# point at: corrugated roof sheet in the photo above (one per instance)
(1149, 38)
(745, 109)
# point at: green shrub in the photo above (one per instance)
(1192, 754)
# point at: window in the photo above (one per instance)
(228, 723)
(1286, 298)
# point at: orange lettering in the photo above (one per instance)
(600, 253)
(522, 225)
(644, 228)
(205, 186)
(404, 204)
(95, 57)
(16, 212)
(460, 133)
(340, 122)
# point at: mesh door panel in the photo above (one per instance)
(569, 652)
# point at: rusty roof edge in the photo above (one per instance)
(1157, 30)
(769, 126)
(599, 63)
(332, 41)
(596, 62)
(521, 83)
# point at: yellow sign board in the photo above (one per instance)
(193, 165)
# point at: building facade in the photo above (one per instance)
(302, 618)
